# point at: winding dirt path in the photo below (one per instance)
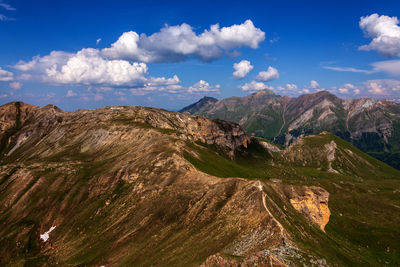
(259, 185)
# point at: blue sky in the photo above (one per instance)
(88, 54)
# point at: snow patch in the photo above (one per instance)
(46, 235)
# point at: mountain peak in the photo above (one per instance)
(264, 92)
(206, 100)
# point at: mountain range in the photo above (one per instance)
(371, 125)
(136, 186)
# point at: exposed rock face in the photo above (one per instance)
(371, 125)
(12, 116)
(256, 259)
(226, 135)
(13, 113)
(270, 147)
(330, 155)
(218, 261)
(312, 201)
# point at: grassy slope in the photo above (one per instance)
(363, 228)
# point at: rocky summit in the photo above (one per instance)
(136, 186)
(371, 125)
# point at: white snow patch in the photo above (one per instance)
(46, 235)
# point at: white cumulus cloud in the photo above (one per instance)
(6, 76)
(124, 63)
(173, 86)
(291, 87)
(71, 93)
(384, 32)
(304, 91)
(314, 84)
(347, 88)
(254, 86)
(242, 69)
(269, 75)
(170, 85)
(178, 43)
(38, 64)
(385, 87)
(203, 87)
(87, 67)
(15, 85)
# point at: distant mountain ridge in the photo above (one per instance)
(200, 104)
(371, 125)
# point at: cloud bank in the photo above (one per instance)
(124, 63)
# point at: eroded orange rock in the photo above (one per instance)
(312, 201)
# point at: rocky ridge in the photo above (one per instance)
(121, 186)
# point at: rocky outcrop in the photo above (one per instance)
(227, 136)
(270, 146)
(330, 155)
(12, 117)
(312, 201)
(256, 259)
